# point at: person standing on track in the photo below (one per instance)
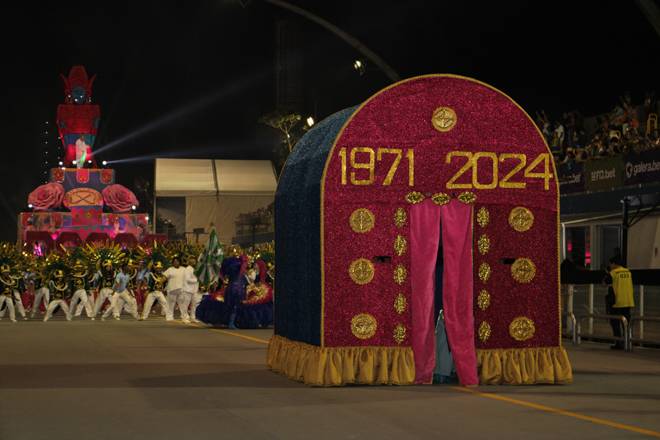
(174, 277)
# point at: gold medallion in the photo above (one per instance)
(523, 270)
(400, 274)
(415, 197)
(400, 303)
(362, 220)
(399, 333)
(444, 119)
(363, 326)
(484, 272)
(484, 331)
(361, 271)
(483, 300)
(483, 244)
(400, 217)
(440, 199)
(400, 245)
(483, 217)
(521, 328)
(521, 219)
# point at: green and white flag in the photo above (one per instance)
(208, 265)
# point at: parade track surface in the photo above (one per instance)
(168, 380)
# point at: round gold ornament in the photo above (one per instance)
(483, 244)
(523, 270)
(521, 219)
(362, 220)
(363, 326)
(444, 119)
(361, 271)
(400, 245)
(484, 272)
(521, 328)
(400, 274)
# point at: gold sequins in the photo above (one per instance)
(400, 217)
(444, 119)
(467, 197)
(440, 199)
(400, 245)
(483, 217)
(399, 333)
(361, 271)
(415, 197)
(523, 270)
(363, 326)
(484, 272)
(400, 303)
(483, 300)
(400, 274)
(362, 220)
(521, 328)
(484, 331)
(483, 244)
(521, 219)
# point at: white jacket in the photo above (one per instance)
(190, 283)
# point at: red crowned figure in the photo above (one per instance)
(78, 119)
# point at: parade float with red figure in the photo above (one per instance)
(69, 209)
(438, 192)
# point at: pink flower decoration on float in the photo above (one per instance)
(119, 198)
(47, 197)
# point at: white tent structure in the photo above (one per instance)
(215, 191)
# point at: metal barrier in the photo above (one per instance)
(640, 340)
(570, 329)
(591, 316)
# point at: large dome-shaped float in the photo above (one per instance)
(438, 192)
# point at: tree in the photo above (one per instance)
(285, 122)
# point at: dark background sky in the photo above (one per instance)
(191, 79)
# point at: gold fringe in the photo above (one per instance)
(334, 366)
(523, 366)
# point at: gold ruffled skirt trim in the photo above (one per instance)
(333, 366)
(523, 366)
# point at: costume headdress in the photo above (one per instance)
(104, 254)
(155, 255)
(185, 250)
(77, 78)
(53, 265)
(10, 259)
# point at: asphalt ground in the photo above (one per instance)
(158, 380)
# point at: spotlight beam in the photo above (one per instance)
(186, 110)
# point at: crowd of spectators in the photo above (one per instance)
(615, 133)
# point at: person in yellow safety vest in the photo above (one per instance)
(620, 280)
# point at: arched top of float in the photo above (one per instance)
(442, 133)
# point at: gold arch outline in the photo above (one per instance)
(347, 123)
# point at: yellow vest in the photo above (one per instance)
(623, 287)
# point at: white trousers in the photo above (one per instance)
(88, 307)
(103, 295)
(195, 299)
(18, 304)
(117, 303)
(182, 299)
(80, 295)
(151, 298)
(10, 306)
(44, 293)
(53, 304)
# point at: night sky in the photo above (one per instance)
(191, 79)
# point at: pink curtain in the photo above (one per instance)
(457, 286)
(424, 241)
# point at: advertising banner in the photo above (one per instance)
(571, 178)
(604, 173)
(642, 167)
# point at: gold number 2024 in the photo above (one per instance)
(370, 165)
(473, 163)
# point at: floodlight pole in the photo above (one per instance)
(364, 50)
